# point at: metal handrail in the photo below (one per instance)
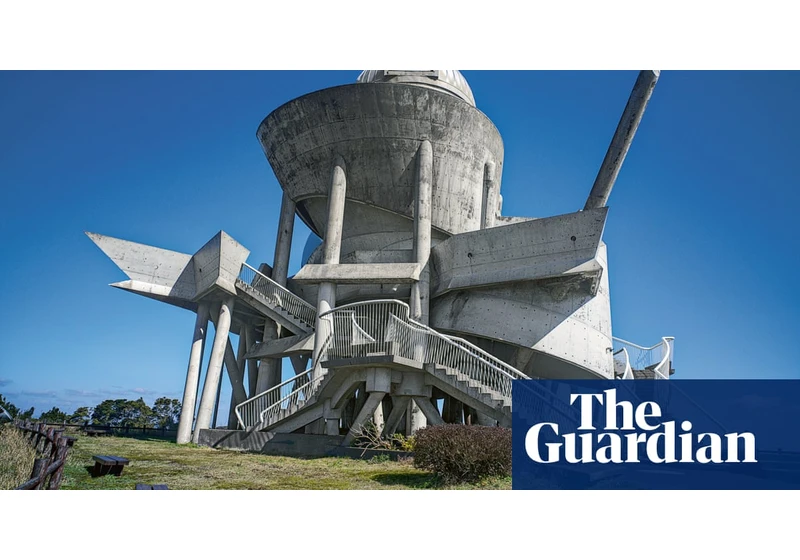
(656, 358)
(249, 412)
(278, 295)
(388, 322)
(255, 410)
(625, 363)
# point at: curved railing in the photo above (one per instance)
(385, 327)
(656, 358)
(278, 295)
(622, 364)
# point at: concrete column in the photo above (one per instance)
(420, 291)
(623, 137)
(269, 372)
(193, 374)
(252, 365)
(399, 407)
(283, 247)
(377, 417)
(332, 248)
(366, 412)
(235, 366)
(214, 367)
(491, 192)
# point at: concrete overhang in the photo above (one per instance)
(546, 248)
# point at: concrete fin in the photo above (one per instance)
(150, 269)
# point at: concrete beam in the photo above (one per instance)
(280, 347)
(400, 404)
(623, 137)
(364, 273)
(430, 411)
(366, 413)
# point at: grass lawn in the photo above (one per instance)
(189, 467)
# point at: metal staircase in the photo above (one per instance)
(368, 330)
(275, 301)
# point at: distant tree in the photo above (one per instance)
(81, 415)
(53, 416)
(122, 412)
(27, 415)
(10, 408)
(167, 412)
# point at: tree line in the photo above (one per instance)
(164, 413)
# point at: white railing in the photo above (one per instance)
(266, 407)
(656, 358)
(385, 327)
(278, 295)
(249, 412)
(622, 364)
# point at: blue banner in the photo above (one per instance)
(656, 434)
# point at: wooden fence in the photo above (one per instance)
(53, 448)
(95, 429)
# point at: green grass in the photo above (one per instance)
(156, 461)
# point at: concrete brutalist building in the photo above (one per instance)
(423, 301)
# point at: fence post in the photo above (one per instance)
(39, 466)
(61, 455)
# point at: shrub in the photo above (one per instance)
(459, 453)
(16, 457)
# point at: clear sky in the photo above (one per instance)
(700, 231)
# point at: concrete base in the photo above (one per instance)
(289, 445)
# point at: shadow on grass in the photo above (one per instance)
(420, 480)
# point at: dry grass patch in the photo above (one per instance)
(16, 457)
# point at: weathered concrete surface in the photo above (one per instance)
(193, 374)
(532, 250)
(377, 128)
(288, 346)
(622, 139)
(217, 264)
(554, 317)
(151, 270)
(381, 273)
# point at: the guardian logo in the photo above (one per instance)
(632, 433)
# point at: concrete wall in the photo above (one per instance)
(377, 128)
(558, 317)
(217, 264)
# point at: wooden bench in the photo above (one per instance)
(108, 464)
(151, 487)
(97, 431)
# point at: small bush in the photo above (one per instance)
(16, 457)
(459, 453)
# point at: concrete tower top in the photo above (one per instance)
(450, 81)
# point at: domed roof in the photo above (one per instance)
(450, 81)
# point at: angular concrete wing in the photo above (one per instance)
(545, 248)
(152, 271)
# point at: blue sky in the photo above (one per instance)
(701, 235)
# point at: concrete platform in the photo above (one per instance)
(289, 445)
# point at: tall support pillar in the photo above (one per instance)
(326, 300)
(421, 290)
(283, 247)
(491, 192)
(193, 374)
(269, 372)
(214, 367)
(252, 364)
